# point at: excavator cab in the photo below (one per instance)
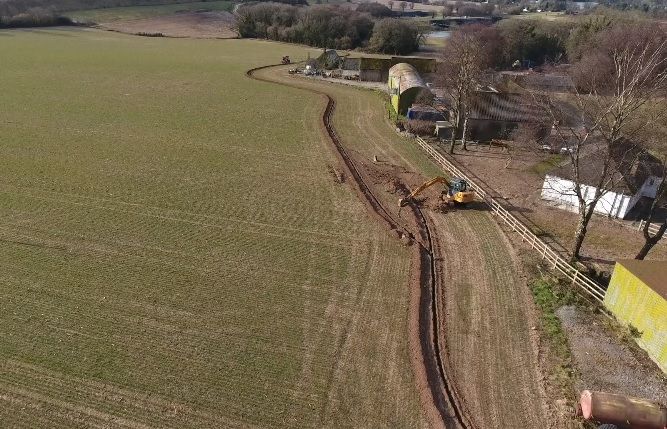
(457, 185)
(459, 192)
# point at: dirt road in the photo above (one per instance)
(485, 305)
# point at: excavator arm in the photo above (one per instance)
(405, 201)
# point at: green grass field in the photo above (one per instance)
(138, 12)
(175, 251)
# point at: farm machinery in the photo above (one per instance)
(455, 192)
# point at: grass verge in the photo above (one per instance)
(545, 166)
(550, 294)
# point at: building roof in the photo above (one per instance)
(552, 82)
(408, 77)
(652, 273)
(630, 164)
(351, 64)
(590, 171)
(506, 107)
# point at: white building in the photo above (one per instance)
(614, 203)
(633, 181)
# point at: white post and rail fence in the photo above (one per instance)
(557, 262)
(652, 228)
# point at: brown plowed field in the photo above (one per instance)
(205, 25)
(487, 307)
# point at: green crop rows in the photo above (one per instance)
(174, 251)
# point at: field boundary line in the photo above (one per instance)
(502, 215)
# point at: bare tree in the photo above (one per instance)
(464, 59)
(446, 11)
(391, 4)
(651, 239)
(402, 5)
(624, 71)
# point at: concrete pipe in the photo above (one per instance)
(623, 411)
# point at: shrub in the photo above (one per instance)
(376, 10)
(144, 34)
(394, 36)
(27, 20)
(322, 26)
(534, 41)
(420, 128)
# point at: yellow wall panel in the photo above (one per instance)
(634, 303)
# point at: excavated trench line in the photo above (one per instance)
(444, 398)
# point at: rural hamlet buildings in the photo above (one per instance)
(634, 184)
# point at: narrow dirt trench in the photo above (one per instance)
(470, 338)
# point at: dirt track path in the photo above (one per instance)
(487, 329)
(487, 323)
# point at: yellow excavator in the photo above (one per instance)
(457, 191)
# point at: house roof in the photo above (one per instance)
(552, 82)
(506, 107)
(631, 167)
(652, 273)
(590, 170)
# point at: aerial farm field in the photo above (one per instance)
(138, 12)
(176, 251)
(488, 317)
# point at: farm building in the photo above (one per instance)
(637, 296)
(405, 84)
(494, 115)
(635, 184)
(377, 69)
(528, 79)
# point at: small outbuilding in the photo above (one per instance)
(405, 84)
(637, 296)
(634, 185)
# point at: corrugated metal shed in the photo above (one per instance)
(637, 296)
(495, 106)
(404, 84)
(406, 76)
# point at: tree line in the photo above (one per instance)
(327, 27)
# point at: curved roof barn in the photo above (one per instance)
(405, 84)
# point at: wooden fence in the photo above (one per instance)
(652, 228)
(557, 262)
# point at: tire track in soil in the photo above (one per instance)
(440, 399)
